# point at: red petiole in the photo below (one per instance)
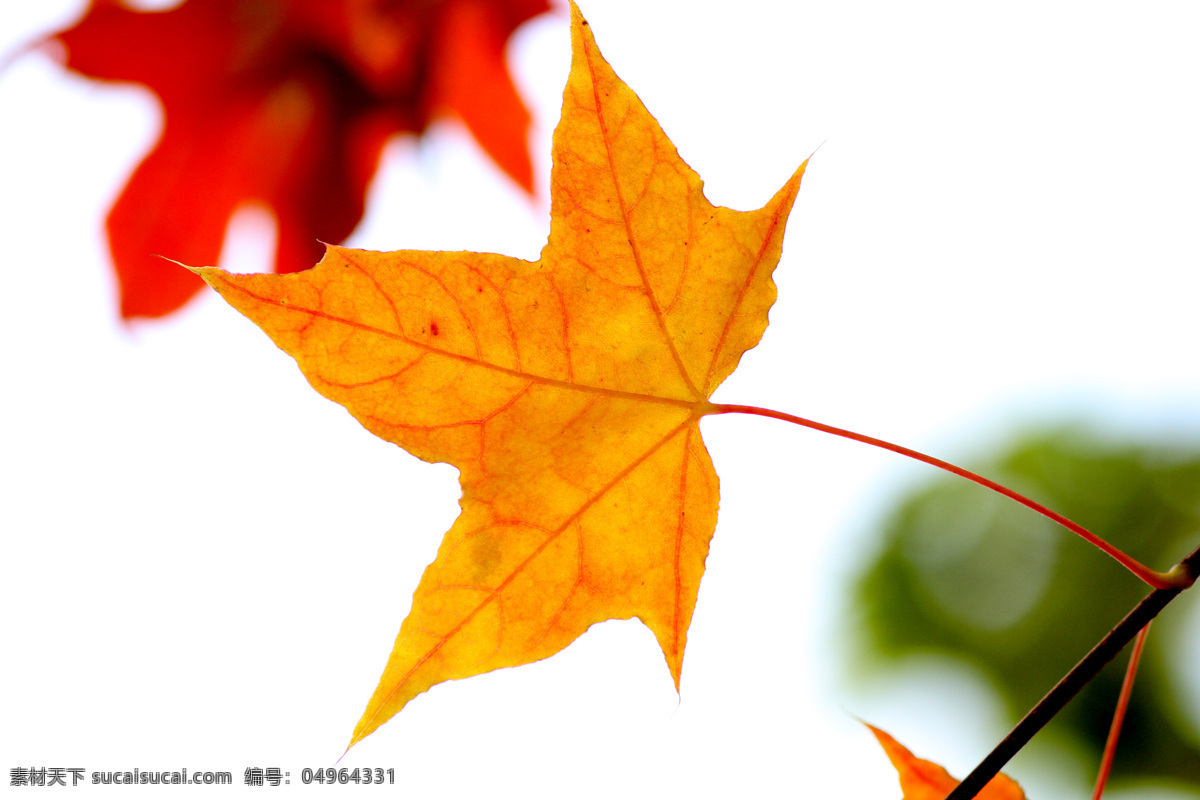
(1114, 732)
(1159, 580)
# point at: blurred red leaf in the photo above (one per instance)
(289, 103)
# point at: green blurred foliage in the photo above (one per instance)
(965, 572)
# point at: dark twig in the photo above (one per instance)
(1073, 681)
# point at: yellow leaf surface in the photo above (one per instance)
(925, 780)
(567, 391)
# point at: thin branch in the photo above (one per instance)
(1114, 731)
(1076, 679)
(1158, 580)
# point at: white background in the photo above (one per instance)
(205, 563)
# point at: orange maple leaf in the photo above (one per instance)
(568, 391)
(287, 102)
(925, 780)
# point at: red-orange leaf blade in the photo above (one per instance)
(925, 780)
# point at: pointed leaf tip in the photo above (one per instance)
(178, 263)
(925, 780)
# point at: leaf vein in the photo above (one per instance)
(468, 360)
(633, 245)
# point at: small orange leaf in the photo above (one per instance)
(925, 780)
(568, 392)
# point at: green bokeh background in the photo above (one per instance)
(967, 573)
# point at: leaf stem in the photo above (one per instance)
(1158, 580)
(1073, 681)
(1114, 731)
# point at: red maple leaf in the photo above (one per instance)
(289, 103)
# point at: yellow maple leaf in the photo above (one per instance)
(568, 391)
(925, 780)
